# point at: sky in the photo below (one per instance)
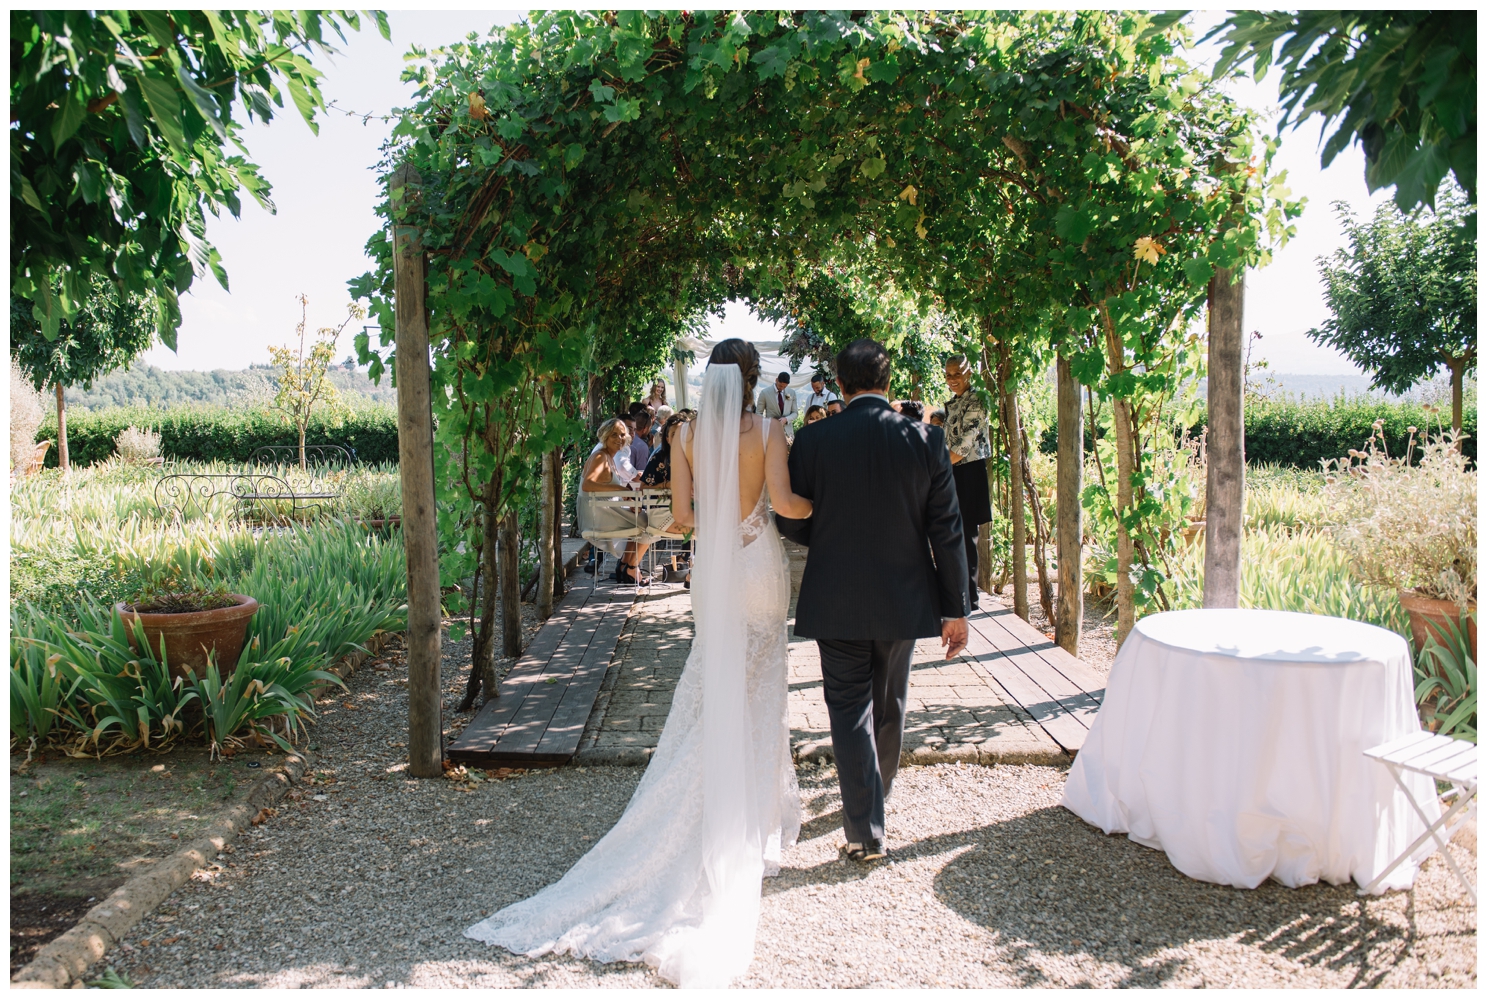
(325, 190)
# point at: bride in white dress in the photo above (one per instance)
(676, 882)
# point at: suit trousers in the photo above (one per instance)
(866, 684)
(971, 535)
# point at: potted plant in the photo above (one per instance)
(192, 622)
(1412, 526)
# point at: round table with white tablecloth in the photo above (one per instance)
(1233, 740)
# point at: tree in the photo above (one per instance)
(1404, 296)
(123, 134)
(1403, 83)
(303, 383)
(108, 331)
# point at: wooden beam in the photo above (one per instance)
(416, 467)
(1069, 615)
(1225, 483)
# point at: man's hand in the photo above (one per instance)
(954, 633)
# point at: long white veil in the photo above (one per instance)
(676, 881)
(733, 852)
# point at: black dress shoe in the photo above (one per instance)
(866, 853)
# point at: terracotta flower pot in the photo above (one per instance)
(191, 636)
(1429, 615)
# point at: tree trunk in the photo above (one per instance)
(483, 654)
(1015, 485)
(510, 557)
(559, 582)
(63, 461)
(1458, 371)
(1040, 532)
(548, 561)
(1125, 467)
(302, 447)
(1069, 616)
(595, 403)
(1225, 481)
(416, 466)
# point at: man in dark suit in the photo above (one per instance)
(886, 566)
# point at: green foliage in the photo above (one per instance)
(149, 386)
(1403, 295)
(111, 979)
(1403, 83)
(121, 700)
(124, 132)
(108, 331)
(212, 433)
(75, 678)
(1294, 570)
(1305, 433)
(591, 183)
(1446, 680)
(38, 690)
(304, 388)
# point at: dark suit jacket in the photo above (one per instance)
(887, 560)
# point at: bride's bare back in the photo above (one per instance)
(761, 463)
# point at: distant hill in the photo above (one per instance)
(146, 385)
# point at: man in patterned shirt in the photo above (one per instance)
(968, 434)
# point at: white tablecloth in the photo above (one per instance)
(1233, 740)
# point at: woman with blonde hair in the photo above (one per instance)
(598, 514)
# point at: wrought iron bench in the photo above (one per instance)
(272, 495)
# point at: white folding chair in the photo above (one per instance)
(1441, 759)
(631, 498)
(656, 505)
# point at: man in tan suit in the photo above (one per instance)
(777, 402)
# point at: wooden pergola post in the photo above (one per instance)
(1225, 483)
(416, 467)
(1069, 614)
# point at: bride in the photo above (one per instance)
(676, 882)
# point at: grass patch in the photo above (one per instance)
(80, 824)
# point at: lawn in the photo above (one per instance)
(80, 827)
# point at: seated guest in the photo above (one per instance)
(815, 413)
(600, 475)
(625, 471)
(937, 418)
(913, 410)
(640, 449)
(657, 472)
(833, 407)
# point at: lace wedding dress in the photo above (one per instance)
(676, 882)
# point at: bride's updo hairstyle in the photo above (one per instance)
(746, 356)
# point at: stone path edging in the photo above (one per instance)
(63, 961)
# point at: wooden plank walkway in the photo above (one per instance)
(1061, 693)
(538, 715)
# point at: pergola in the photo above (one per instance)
(1059, 179)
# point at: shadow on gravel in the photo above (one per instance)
(1049, 884)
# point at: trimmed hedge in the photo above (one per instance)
(215, 433)
(1303, 434)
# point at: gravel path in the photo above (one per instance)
(367, 879)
